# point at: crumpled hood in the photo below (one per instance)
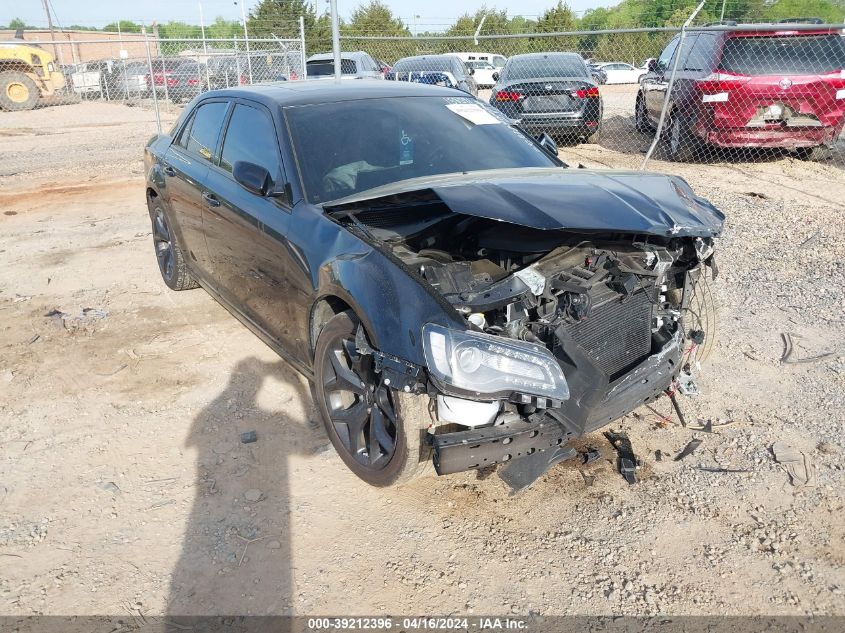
(556, 198)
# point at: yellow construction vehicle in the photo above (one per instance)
(27, 73)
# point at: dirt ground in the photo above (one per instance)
(124, 488)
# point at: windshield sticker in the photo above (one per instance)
(406, 149)
(473, 113)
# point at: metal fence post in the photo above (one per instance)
(152, 81)
(335, 39)
(302, 45)
(678, 50)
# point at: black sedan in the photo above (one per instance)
(552, 93)
(455, 293)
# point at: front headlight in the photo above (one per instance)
(491, 366)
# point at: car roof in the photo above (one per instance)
(431, 58)
(525, 56)
(330, 56)
(295, 93)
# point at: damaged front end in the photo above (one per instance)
(566, 330)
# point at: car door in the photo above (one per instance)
(185, 167)
(654, 83)
(247, 232)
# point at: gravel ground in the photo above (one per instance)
(124, 487)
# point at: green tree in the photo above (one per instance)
(281, 18)
(375, 18)
(179, 30)
(124, 26)
(17, 23)
(558, 18)
(824, 9)
(223, 29)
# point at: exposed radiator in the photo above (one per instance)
(617, 334)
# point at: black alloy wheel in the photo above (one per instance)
(163, 245)
(376, 430)
(359, 405)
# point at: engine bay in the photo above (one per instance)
(542, 286)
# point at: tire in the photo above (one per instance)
(641, 121)
(171, 260)
(680, 144)
(702, 314)
(818, 153)
(351, 397)
(17, 91)
(595, 136)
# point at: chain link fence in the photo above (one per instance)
(720, 93)
(725, 93)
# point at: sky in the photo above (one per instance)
(433, 14)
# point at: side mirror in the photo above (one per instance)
(471, 70)
(496, 76)
(652, 65)
(254, 178)
(548, 144)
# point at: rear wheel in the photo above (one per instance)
(171, 261)
(820, 152)
(680, 143)
(377, 431)
(595, 136)
(17, 91)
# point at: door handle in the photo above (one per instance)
(169, 171)
(210, 199)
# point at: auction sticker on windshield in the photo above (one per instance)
(473, 113)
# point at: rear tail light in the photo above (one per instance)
(171, 82)
(584, 93)
(193, 81)
(293, 75)
(716, 86)
(509, 95)
(243, 80)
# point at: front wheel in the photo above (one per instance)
(641, 116)
(17, 91)
(377, 431)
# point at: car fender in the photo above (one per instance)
(391, 303)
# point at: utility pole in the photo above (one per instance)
(50, 26)
(246, 39)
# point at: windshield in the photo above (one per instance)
(350, 146)
(784, 55)
(324, 67)
(537, 67)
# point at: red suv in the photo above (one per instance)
(779, 87)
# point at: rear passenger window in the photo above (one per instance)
(205, 129)
(251, 137)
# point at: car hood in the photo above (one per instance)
(559, 198)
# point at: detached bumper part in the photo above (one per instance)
(477, 448)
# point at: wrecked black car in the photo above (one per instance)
(457, 295)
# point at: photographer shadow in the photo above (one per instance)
(237, 556)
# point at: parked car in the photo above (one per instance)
(455, 293)
(599, 76)
(494, 59)
(359, 65)
(188, 80)
(552, 93)
(438, 70)
(621, 73)
(162, 75)
(773, 87)
(226, 71)
(482, 73)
